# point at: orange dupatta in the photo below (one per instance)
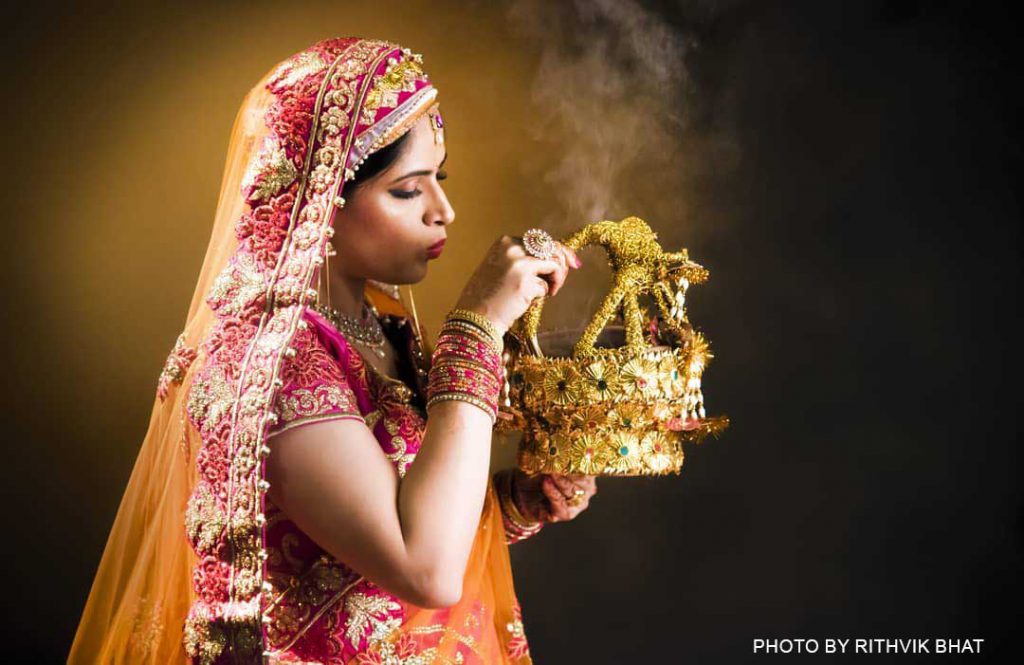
(182, 575)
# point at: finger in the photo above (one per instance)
(588, 483)
(556, 499)
(559, 278)
(540, 267)
(540, 288)
(551, 483)
(571, 259)
(565, 485)
(554, 271)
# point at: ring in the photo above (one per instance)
(539, 243)
(577, 498)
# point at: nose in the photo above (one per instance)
(441, 213)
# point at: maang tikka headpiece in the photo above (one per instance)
(436, 124)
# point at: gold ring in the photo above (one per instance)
(577, 498)
(539, 243)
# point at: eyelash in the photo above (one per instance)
(404, 194)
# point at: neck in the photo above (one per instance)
(346, 294)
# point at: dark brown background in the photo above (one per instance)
(846, 174)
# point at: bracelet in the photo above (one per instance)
(457, 345)
(467, 369)
(480, 321)
(479, 383)
(464, 397)
(465, 328)
(517, 527)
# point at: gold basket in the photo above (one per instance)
(629, 395)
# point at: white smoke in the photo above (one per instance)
(609, 92)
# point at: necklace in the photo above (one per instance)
(367, 330)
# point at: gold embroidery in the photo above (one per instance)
(372, 611)
(146, 629)
(175, 366)
(298, 67)
(204, 520)
(237, 285)
(309, 591)
(204, 639)
(401, 648)
(270, 172)
(401, 457)
(322, 418)
(372, 418)
(400, 76)
(321, 400)
(210, 398)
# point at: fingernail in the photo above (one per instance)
(579, 264)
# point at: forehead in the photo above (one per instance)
(422, 143)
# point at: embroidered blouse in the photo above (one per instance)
(321, 610)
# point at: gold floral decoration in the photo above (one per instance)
(590, 456)
(625, 453)
(600, 381)
(660, 453)
(629, 416)
(639, 376)
(561, 385)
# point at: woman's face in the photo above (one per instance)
(388, 226)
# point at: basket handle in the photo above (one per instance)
(596, 233)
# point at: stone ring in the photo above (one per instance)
(539, 243)
(577, 498)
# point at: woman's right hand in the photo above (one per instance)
(508, 280)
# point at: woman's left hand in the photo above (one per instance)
(552, 497)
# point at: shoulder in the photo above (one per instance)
(317, 382)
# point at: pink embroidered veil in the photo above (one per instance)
(182, 574)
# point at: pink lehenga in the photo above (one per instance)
(200, 565)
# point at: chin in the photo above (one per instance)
(411, 275)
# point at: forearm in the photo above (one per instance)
(441, 496)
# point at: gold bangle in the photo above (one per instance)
(475, 332)
(463, 397)
(507, 501)
(480, 321)
(459, 326)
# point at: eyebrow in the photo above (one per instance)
(411, 174)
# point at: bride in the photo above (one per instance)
(314, 484)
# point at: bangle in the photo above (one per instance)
(461, 345)
(517, 527)
(462, 327)
(462, 372)
(464, 397)
(467, 369)
(480, 321)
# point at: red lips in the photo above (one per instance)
(434, 250)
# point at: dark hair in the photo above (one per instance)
(378, 162)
